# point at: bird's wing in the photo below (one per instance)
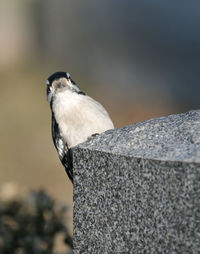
(68, 164)
(64, 152)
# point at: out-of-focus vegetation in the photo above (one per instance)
(32, 224)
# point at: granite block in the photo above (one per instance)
(137, 188)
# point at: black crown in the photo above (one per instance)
(57, 75)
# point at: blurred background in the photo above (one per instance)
(139, 58)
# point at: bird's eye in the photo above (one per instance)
(48, 89)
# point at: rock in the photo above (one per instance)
(137, 188)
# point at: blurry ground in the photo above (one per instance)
(32, 223)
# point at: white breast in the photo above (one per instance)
(79, 116)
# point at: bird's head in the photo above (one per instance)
(59, 82)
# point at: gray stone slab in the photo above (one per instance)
(137, 189)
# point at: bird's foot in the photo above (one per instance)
(92, 136)
(95, 134)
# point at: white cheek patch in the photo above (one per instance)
(67, 75)
(47, 82)
(68, 82)
(49, 96)
(73, 86)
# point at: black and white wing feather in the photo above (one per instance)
(64, 152)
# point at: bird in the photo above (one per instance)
(75, 117)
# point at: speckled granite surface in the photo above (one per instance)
(137, 189)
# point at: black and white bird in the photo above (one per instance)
(75, 116)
